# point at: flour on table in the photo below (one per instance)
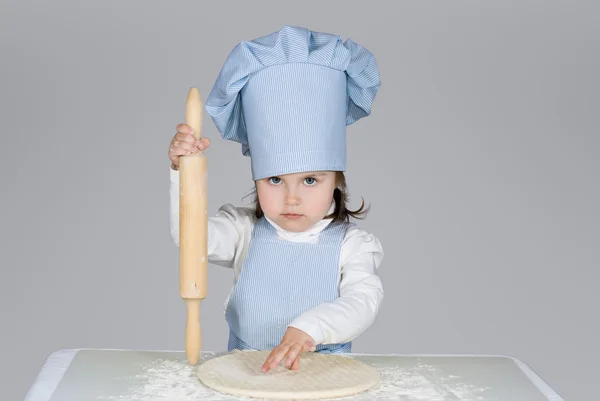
(423, 382)
(169, 379)
(176, 380)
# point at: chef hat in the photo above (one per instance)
(287, 98)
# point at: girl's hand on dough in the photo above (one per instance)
(293, 343)
(184, 143)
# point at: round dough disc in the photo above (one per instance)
(319, 376)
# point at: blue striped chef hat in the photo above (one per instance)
(287, 98)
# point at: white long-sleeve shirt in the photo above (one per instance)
(360, 290)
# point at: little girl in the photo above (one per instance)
(305, 277)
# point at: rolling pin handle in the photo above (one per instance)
(193, 332)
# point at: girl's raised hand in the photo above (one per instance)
(184, 143)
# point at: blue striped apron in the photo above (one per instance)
(278, 282)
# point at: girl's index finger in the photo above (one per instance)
(185, 129)
(186, 138)
(275, 357)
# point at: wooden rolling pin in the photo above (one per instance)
(193, 231)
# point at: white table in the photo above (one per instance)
(106, 374)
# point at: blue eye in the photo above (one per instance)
(274, 180)
(310, 181)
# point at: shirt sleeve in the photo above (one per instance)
(361, 294)
(225, 229)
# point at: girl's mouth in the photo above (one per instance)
(292, 216)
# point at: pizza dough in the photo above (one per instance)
(319, 376)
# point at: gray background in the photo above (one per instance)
(480, 161)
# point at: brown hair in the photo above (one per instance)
(341, 212)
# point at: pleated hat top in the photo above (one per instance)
(287, 98)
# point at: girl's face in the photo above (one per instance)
(296, 201)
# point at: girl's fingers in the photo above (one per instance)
(204, 143)
(276, 355)
(292, 354)
(267, 364)
(183, 148)
(177, 153)
(309, 346)
(185, 138)
(296, 364)
(185, 129)
(185, 143)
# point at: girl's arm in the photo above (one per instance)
(223, 232)
(361, 294)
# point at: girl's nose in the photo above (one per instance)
(291, 198)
